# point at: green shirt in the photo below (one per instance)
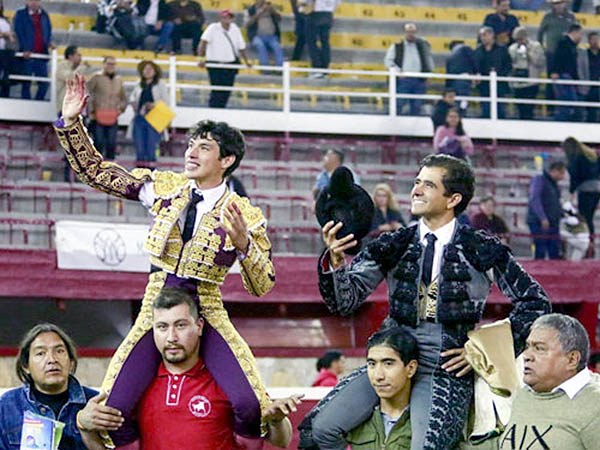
(370, 435)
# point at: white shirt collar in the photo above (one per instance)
(210, 196)
(576, 383)
(443, 234)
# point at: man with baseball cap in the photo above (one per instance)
(222, 43)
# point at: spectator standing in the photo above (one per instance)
(299, 9)
(156, 14)
(502, 22)
(441, 108)
(411, 54)
(491, 56)
(7, 53)
(262, 26)
(486, 218)
(545, 211)
(461, 61)
(588, 68)
(451, 138)
(66, 70)
(528, 61)
(318, 27)
(46, 365)
(330, 366)
(188, 17)
(222, 43)
(583, 165)
(143, 98)
(34, 32)
(107, 101)
(386, 217)
(553, 26)
(564, 67)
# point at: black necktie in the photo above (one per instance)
(428, 259)
(190, 217)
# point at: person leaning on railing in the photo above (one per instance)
(7, 53)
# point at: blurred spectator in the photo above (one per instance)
(553, 26)
(386, 217)
(318, 27)
(583, 165)
(107, 101)
(126, 25)
(34, 32)
(441, 108)
(451, 138)
(461, 61)
(329, 366)
(486, 218)
(545, 211)
(145, 94)
(46, 365)
(528, 61)
(588, 68)
(491, 56)
(188, 17)
(156, 14)
(596, 4)
(595, 362)
(222, 42)
(262, 26)
(66, 70)
(575, 233)
(502, 22)
(527, 5)
(412, 54)
(564, 67)
(234, 184)
(7, 52)
(300, 10)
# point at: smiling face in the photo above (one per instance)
(427, 195)
(452, 119)
(177, 335)
(546, 364)
(202, 162)
(388, 375)
(49, 363)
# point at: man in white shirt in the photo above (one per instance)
(222, 43)
(412, 54)
(318, 27)
(439, 275)
(559, 406)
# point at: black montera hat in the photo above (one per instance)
(344, 201)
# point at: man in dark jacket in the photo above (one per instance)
(491, 56)
(34, 30)
(156, 14)
(502, 22)
(262, 25)
(438, 283)
(412, 54)
(441, 108)
(564, 67)
(545, 211)
(188, 17)
(461, 61)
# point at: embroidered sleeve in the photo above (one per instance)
(527, 296)
(91, 168)
(344, 290)
(258, 272)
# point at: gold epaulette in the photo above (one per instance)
(168, 184)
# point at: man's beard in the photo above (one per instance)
(175, 358)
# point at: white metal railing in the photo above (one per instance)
(389, 79)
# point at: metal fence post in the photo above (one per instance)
(287, 100)
(494, 97)
(172, 81)
(392, 92)
(54, 62)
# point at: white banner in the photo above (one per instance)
(101, 246)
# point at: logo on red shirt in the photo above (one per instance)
(199, 406)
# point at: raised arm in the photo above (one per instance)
(83, 157)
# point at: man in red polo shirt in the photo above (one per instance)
(183, 407)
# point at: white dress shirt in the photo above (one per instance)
(326, 5)
(219, 49)
(444, 236)
(210, 198)
(576, 383)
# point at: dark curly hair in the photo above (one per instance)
(230, 140)
(459, 178)
(399, 340)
